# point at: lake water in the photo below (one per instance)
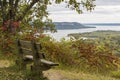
(63, 33)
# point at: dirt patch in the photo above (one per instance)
(4, 63)
(55, 75)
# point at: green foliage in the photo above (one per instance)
(59, 52)
(105, 38)
(116, 74)
(35, 10)
(17, 15)
(96, 56)
(88, 55)
(6, 43)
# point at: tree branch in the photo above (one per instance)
(15, 7)
(2, 11)
(27, 9)
(11, 10)
(0, 3)
(16, 4)
(4, 2)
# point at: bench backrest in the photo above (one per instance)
(29, 48)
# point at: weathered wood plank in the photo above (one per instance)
(25, 44)
(49, 63)
(38, 46)
(28, 57)
(26, 51)
(46, 62)
(20, 62)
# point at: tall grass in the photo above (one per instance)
(81, 54)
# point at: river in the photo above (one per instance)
(63, 33)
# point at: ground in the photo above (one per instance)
(55, 74)
(9, 73)
(4, 63)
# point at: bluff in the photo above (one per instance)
(70, 25)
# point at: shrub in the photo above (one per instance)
(59, 51)
(116, 74)
(96, 56)
(81, 54)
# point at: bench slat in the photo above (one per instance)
(25, 44)
(26, 51)
(28, 57)
(46, 62)
(49, 63)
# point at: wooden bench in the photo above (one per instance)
(30, 51)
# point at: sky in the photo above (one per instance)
(106, 11)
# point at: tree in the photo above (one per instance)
(16, 12)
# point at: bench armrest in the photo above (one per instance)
(49, 63)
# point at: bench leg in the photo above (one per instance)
(21, 64)
(36, 73)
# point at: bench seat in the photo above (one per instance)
(46, 62)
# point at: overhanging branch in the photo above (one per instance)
(27, 9)
(16, 4)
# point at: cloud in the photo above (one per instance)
(105, 11)
(114, 9)
(105, 6)
(107, 2)
(98, 10)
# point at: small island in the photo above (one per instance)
(70, 25)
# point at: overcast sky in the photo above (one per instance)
(107, 2)
(106, 11)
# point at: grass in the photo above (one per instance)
(116, 74)
(71, 75)
(10, 72)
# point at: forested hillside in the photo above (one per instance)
(70, 25)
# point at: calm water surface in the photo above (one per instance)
(63, 33)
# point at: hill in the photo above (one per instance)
(70, 25)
